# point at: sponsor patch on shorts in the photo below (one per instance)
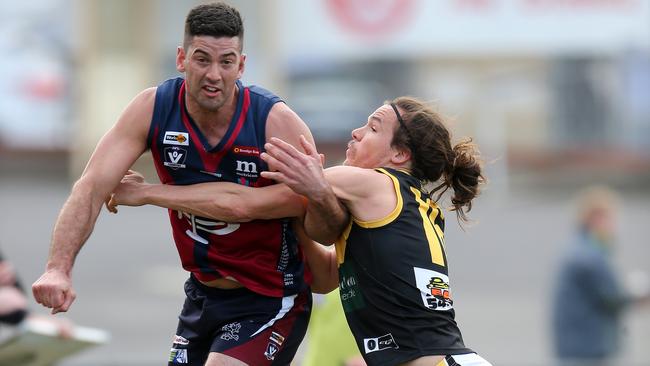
(271, 350)
(181, 340)
(277, 338)
(231, 331)
(178, 356)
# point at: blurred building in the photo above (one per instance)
(554, 91)
(35, 74)
(543, 85)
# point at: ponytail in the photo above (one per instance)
(464, 177)
(433, 159)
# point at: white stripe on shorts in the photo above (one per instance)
(287, 304)
(467, 359)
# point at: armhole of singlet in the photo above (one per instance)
(152, 124)
(160, 110)
(341, 243)
(391, 216)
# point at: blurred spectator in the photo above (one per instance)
(330, 341)
(589, 297)
(13, 302)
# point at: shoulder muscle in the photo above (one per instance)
(285, 124)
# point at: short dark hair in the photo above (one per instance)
(434, 159)
(216, 20)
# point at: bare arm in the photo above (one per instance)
(115, 153)
(321, 260)
(223, 201)
(326, 217)
(367, 194)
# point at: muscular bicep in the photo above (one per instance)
(286, 125)
(366, 193)
(351, 184)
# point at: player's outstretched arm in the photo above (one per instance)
(285, 125)
(326, 217)
(223, 201)
(116, 152)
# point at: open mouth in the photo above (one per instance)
(211, 90)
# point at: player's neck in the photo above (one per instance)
(406, 166)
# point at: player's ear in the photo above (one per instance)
(242, 63)
(400, 156)
(180, 59)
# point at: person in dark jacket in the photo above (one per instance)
(589, 298)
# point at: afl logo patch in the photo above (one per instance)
(174, 157)
(176, 138)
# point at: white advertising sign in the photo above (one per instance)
(371, 28)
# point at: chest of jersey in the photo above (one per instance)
(184, 155)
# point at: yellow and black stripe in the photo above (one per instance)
(418, 204)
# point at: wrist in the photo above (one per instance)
(322, 195)
(148, 194)
(59, 266)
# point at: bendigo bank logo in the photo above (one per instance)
(246, 150)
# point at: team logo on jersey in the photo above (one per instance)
(434, 289)
(379, 344)
(176, 138)
(231, 331)
(271, 350)
(174, 157)
(200, 225)
(178, 356)
(246, 150)
(246, 169)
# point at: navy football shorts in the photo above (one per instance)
(256, 329)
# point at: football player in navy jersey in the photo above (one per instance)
(248, 298)
(389, 260)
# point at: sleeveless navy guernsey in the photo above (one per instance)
(263, 255)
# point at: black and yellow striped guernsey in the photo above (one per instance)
(394, 280)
